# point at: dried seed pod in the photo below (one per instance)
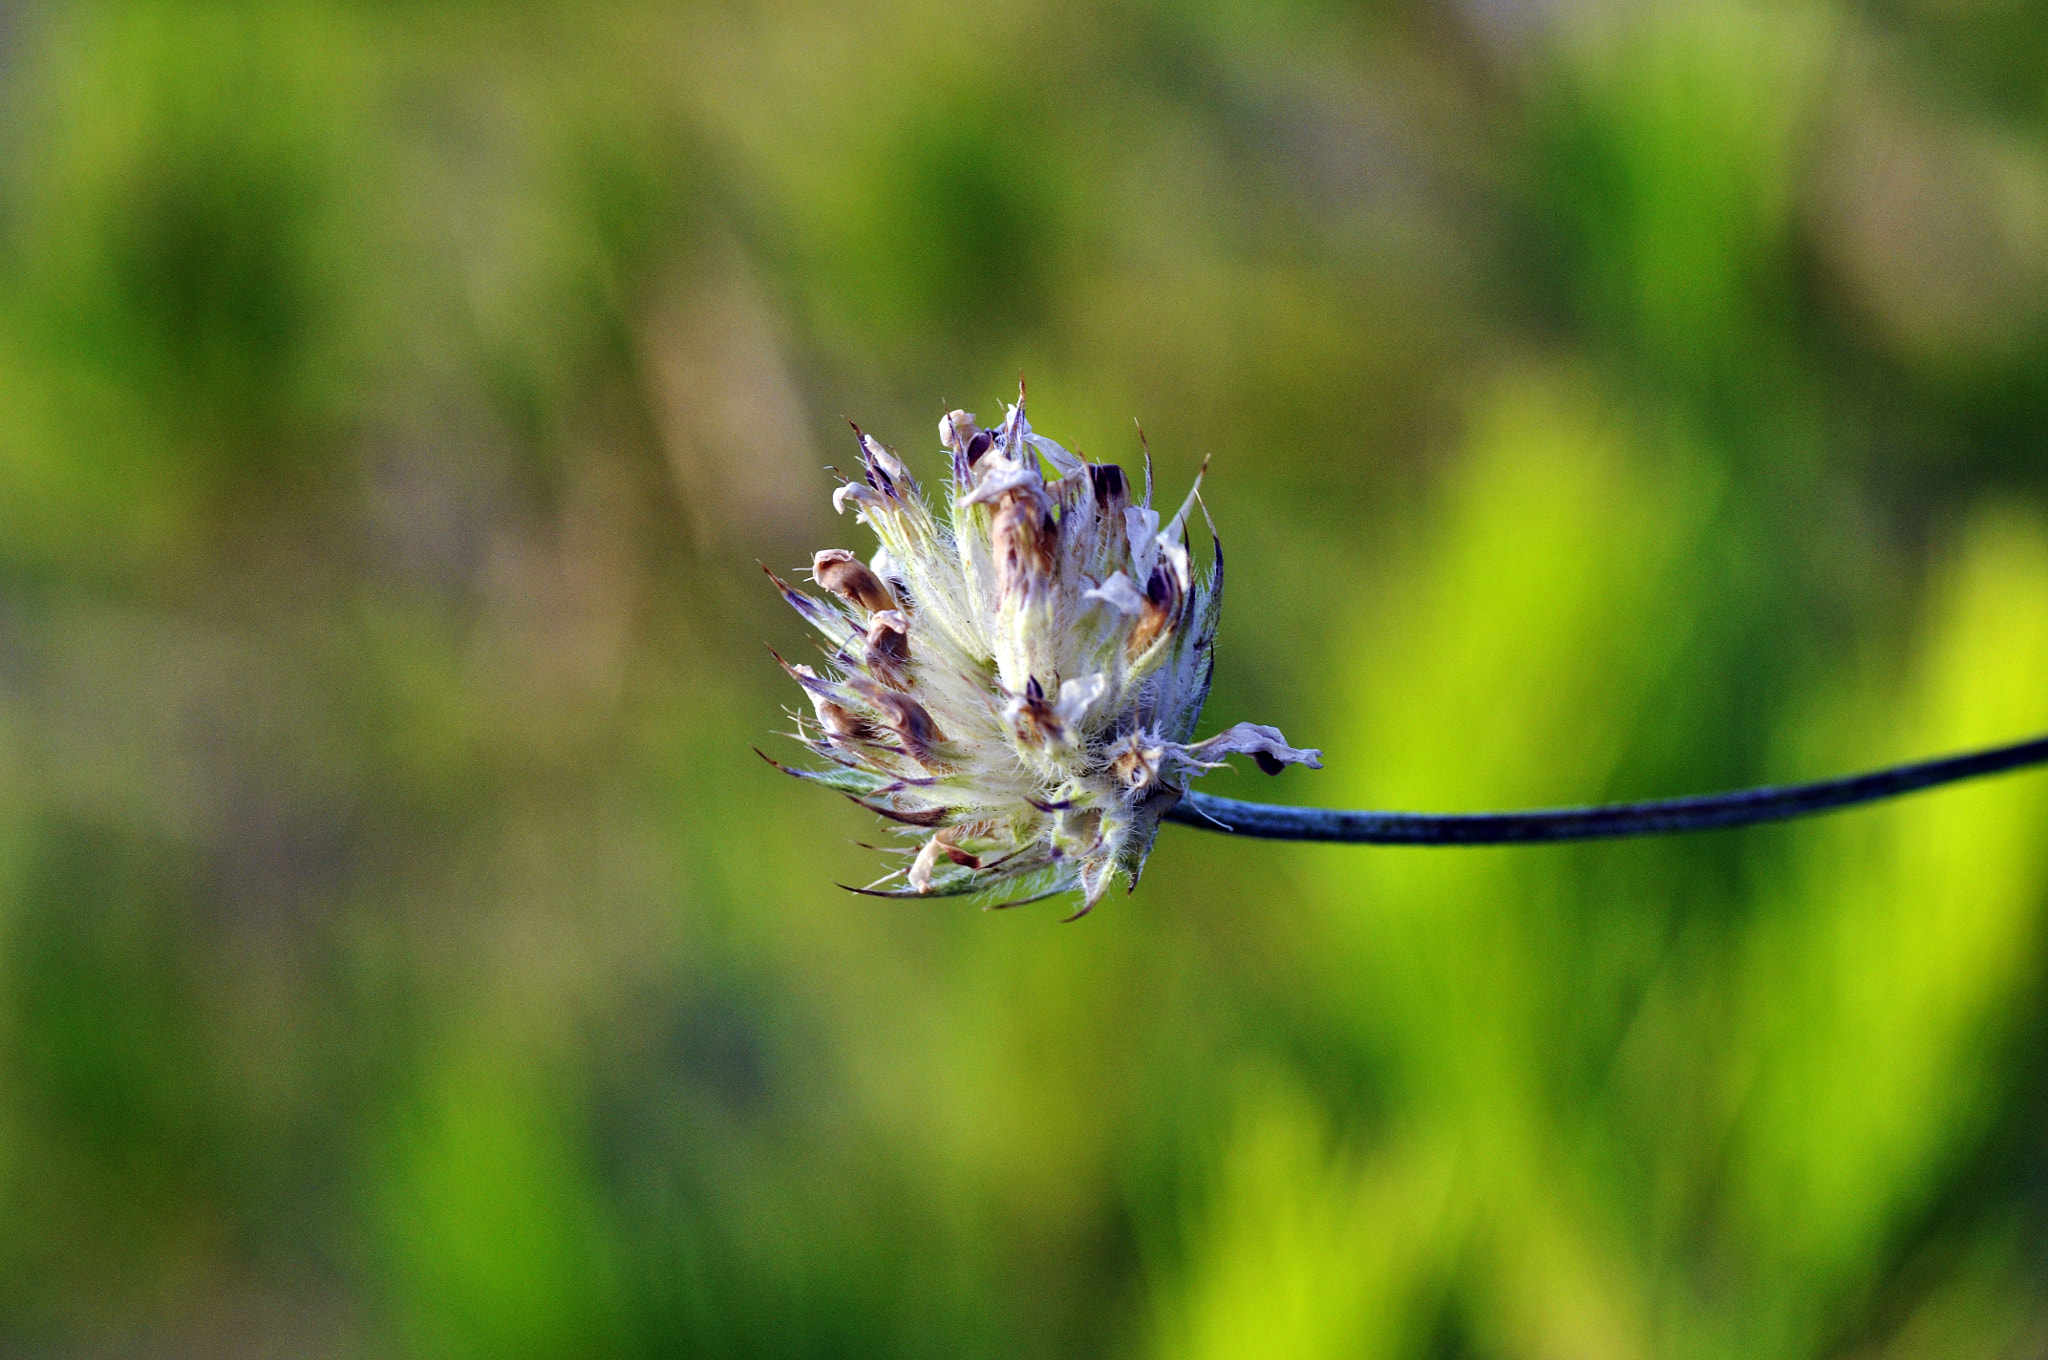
(840, 722)
(888, 640)
(846, 576)
(903, 716)
(1025, 539)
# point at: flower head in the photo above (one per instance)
(1017, 684)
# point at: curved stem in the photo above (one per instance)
(1662, 816)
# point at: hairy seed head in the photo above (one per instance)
(1016, 680)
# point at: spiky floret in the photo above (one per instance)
(1015, 684)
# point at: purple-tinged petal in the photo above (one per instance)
(1263, 744)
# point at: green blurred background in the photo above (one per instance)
(402, 954)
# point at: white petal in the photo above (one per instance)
(1000, 476)
(1078, 696)
(922, 867)
(857, 492)
(1177, 558)
(1066, 462)
(1119, 594)
(1141, 527)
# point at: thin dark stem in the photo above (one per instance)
(1660, 816)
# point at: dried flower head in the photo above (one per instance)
(1018, 683)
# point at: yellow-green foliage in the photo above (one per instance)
(402, 954)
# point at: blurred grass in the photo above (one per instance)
(401, 953)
